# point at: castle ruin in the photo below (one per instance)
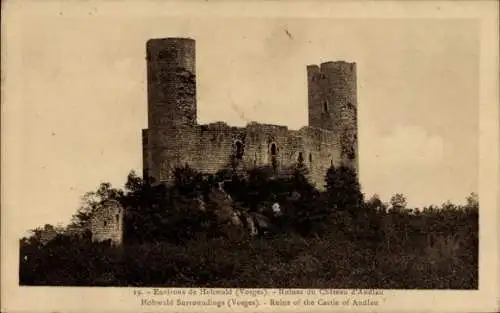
(174, 138)
(106, 222)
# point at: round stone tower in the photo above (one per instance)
(171, 70)
(171, 64)
(333, 104)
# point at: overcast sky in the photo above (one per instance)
(76, 99)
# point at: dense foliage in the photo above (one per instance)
(324, 239)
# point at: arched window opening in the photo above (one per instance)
(273, 149)
(310, 158)
(325, 106)
(117, 218)
(274, 159)
(300, 158)
(300, 161)
(105, 223)
(239, 150)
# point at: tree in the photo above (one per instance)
(134, 183)
(398, 202)
(300, 182)
(375, 204)
(91, 201)
(107, 192)
(188, 181)
(300, 160)
(343, 188)
(472, 202)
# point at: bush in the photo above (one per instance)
(328, 239)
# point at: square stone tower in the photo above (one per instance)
(106, 222)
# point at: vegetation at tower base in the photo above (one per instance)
(182, 235)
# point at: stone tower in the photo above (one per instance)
(332, 97)
(171, 66)
(171, 75)
(106, 222)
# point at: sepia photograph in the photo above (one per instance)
(270, 205)
(243, 152)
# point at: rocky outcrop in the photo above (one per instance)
(231, 216)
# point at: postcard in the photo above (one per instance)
(249, 156)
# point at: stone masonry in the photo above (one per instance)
(106, 223)
(174, 138)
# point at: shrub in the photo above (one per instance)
(326, 239)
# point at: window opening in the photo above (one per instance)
(273, 149)
(274, 161)
(300, 158)
(239, 150)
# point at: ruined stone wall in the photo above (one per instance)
(272, 145)
(216, 146)
(106, 223)
(223, 147)
(321, 150)
(213, 147)
(172, 147)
